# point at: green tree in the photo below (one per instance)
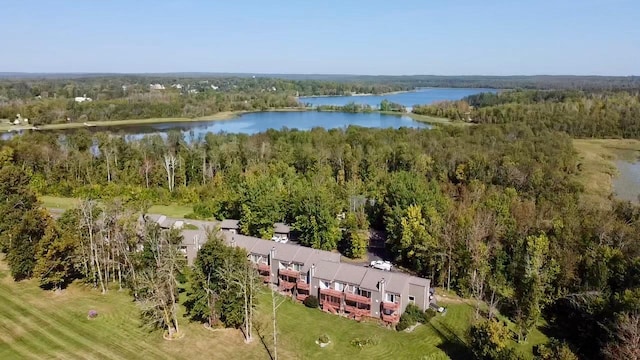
(55, 258)
(213, 297)
(354, 241)
(316, 221)
(489, 340)
(535, 272)
(554, 350)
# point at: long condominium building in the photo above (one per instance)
(353, 290)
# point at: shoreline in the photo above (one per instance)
(356, 94)
(222, 116)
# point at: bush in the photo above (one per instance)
(412, 315)
(311, 302)
(323, 339)
(429, 314)
(364, 342)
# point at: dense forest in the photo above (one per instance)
(579, 113)
(491, 211)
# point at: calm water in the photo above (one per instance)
(253, 123)
(408, 99)
(627, 184)
(261, 121)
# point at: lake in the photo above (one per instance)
(257, 122)
(626, 185)
(408, 99)
(252, 123)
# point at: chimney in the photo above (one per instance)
(381, 286)
(313, 270)
(272, 254)
(233, 241)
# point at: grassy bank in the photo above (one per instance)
(597, 166)
(435, 120)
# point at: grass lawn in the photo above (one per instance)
(64, 203)
(36, 324)
(437, 120)
(598, 170)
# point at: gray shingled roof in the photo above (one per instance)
(229, 224)
(350, 274)
(281, 228)
(285, 252)
(326, 270)
(397, 282)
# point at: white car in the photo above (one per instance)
(382, 265)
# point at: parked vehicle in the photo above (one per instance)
(381, 265)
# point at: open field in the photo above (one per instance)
(65, 203)
(436, 120)
(597, 158)
(37, 324)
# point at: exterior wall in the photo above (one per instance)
(376, 303)
(421, 295)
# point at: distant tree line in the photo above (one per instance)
(578, 113)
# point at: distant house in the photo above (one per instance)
(230, 225)
(281, 231)
(83, 98)
(156, 87)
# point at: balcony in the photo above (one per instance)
(262, 267)
(302, 297)
(266, 278)
(286, 285)
(331, 292)
(390, 318)
(357, 298)
(390, 306)
(301, 285)
(289, 273)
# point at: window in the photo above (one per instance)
(412, 299)
(296, 267)
(365, 293)
(390, 297)
(338, 286)
(255, 258)
(325, 285)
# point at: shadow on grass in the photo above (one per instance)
(453, 345)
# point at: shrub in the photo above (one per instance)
(412, 315)
(364, 342)
(92, 314)
(429, 314)
(311, 302)
(323, 339)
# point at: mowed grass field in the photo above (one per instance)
(38, 324)
(597, 158)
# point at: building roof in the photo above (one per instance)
(326, 270)
(281, 228)
(229, 224)
(350, 274)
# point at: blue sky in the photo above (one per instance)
(491, 37)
